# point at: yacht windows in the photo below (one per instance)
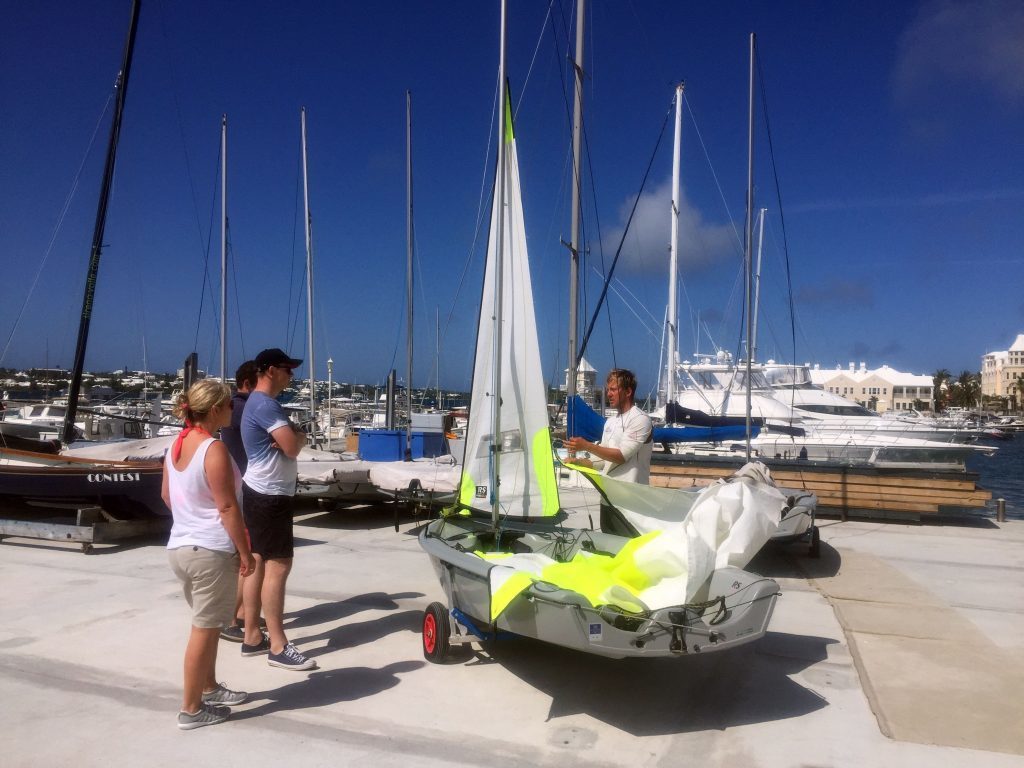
(836, 410)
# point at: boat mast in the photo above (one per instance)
(748, 234)
(757, 279)
(223, 247)
(574, 243)
(121, 91)
(672, 318)
(309, 282)
(408, 275)
(499, 269)
(437, 354)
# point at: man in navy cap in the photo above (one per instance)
(272, 444)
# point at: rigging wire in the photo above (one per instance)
(207, 283)
(173, 75)
(618, 251)
(583, 250)
(289, 327)
(238, 301)
(57, 227)
(718, 184)
(533, 59)
(615, 288)
(778, 196)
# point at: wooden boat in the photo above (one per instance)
(125, 490)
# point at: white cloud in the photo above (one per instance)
(953, 42)
(646, 249)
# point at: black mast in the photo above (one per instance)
(121, 88)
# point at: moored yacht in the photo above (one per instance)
(717, 387)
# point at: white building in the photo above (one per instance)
(1001, 371)
(880, 389)
(586, 380)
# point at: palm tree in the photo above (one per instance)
(967, 389)
(1020, 391)
(940, 382)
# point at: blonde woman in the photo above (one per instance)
(208, 546)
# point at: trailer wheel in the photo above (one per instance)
(815, 549)
(435, 633)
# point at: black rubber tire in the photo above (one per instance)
(436, 630)
(815, 549)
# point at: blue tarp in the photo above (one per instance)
(589, 424)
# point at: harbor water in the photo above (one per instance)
(1003, 475)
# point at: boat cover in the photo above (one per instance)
(440, 475)
(684, 538)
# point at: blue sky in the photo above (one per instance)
(896, 131)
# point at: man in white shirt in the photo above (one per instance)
(624, 451)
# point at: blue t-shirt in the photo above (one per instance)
(269, 471)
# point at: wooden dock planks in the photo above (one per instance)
(842, 489)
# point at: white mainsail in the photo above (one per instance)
(525, 476)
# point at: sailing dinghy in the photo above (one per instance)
(505, 562)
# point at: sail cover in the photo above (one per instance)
(516, 469)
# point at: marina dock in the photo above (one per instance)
(843, 489)
(902, 645)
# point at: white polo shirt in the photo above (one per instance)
(631, 433)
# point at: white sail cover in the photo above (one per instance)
(524, 463)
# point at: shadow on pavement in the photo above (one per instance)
(363, 632)
(322, 613)
(791, 561)
(326, 687)
(647, 697)
(361, 517)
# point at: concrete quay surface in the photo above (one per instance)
(902, 646)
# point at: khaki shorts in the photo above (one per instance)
(210, 579)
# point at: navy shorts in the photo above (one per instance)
(269, 520)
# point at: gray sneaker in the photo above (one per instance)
(208, 714)
(290, 658)
(234, 633)
(223, 695)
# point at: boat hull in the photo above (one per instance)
(124, 490)
(734, 607)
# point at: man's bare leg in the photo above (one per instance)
(275, 577)
(252, 591)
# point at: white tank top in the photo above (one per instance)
(196, 517)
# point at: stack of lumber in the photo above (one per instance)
(842, 489)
